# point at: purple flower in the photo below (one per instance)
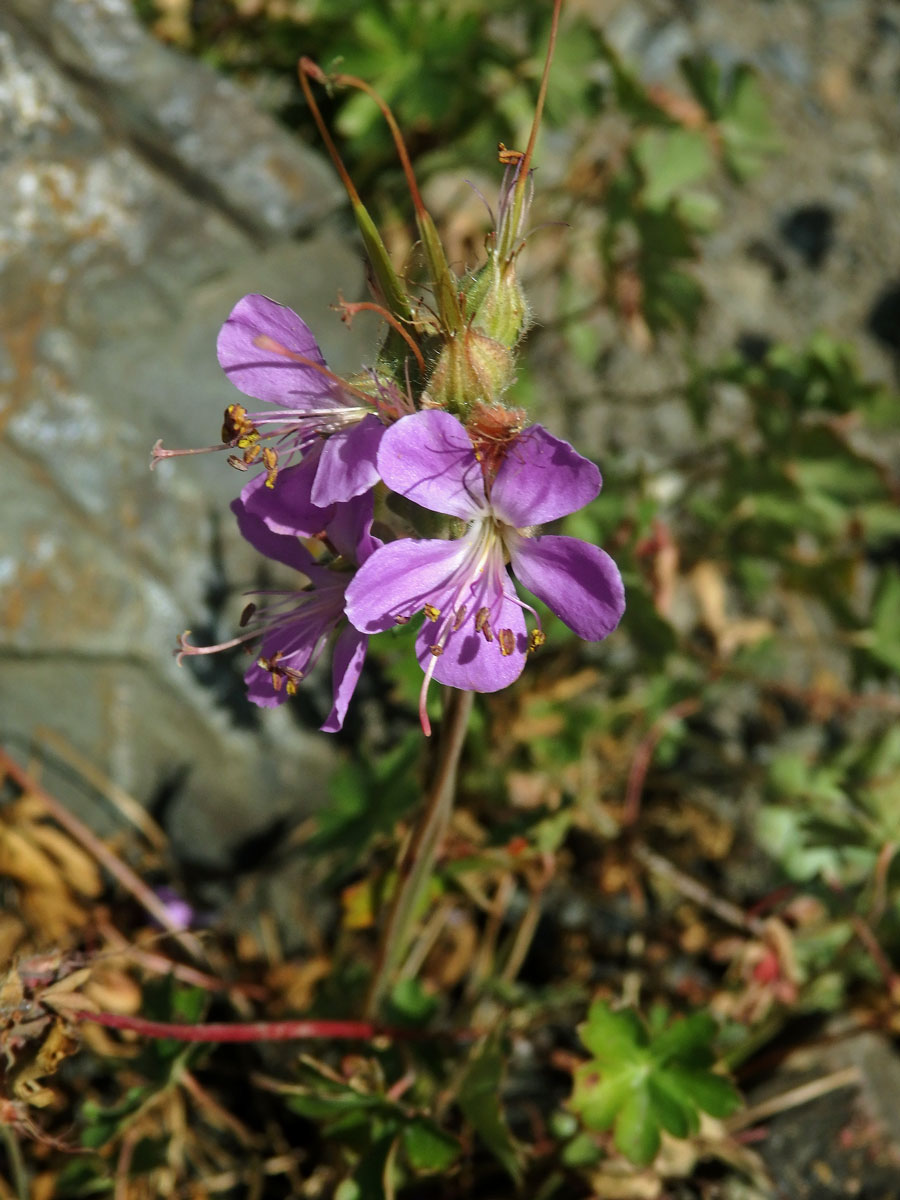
(268, 352)
(295, 625)
(474, 634)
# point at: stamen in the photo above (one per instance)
(536, 638)
(246, 615)
(431, 612)
(237, 426)
(239, 464)
(508, 157)
(460, 617)
(507, 641)
(400, 620)
(437, 651)
(483, 624)
(270, 462)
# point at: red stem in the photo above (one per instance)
(256, 1031)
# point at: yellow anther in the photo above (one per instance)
(431, 612)
(536, 638)
(270, 462)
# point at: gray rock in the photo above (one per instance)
(144, 196)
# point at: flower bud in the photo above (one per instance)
(471, 368)
(496, 304)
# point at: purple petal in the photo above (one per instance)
(347, 665)
(287, 549)
(350, 528)
(348, 465)
(469, 661)
(260, 370)
(542, 478)
(428, 457)
(296, 643)
(260, 690)
(399, 580)
(577, 581)
(287, 507)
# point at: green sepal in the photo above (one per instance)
(395, 298)
(446, 285)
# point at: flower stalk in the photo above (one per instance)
(418, 858)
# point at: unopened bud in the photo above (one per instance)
(496, 304)
(472, 368)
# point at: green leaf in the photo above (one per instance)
(669, 160)
(410, 1003)
(614, 1037)
(884, 642)
(427, 1147)
(746, 127)
(598, 1101)
(670, 1109)
(479, 1100)
(637, 1130)
(687, 1039)
(373, 1178)
(711, 1093)
(582, 1151)
(644, 1078)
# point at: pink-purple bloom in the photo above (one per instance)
(269, 353)
(474, 635)
(294, 626)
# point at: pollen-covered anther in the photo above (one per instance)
(252, 453)
(270, 462)
(536, 638)
(460, 617)
(280, 676)
(507, 641)
(431, 612)
(483, 624)
(237, 426)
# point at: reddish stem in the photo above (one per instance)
(306, 67)
(351, 309)
(644, 755)
(256, 1031)
(399, 144)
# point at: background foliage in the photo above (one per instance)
(681, 842)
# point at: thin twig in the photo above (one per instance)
(794, 1097)
(691, 888)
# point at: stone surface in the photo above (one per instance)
(143, 197)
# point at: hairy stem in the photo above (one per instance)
(418, 859)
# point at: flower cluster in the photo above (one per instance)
(462, 484)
